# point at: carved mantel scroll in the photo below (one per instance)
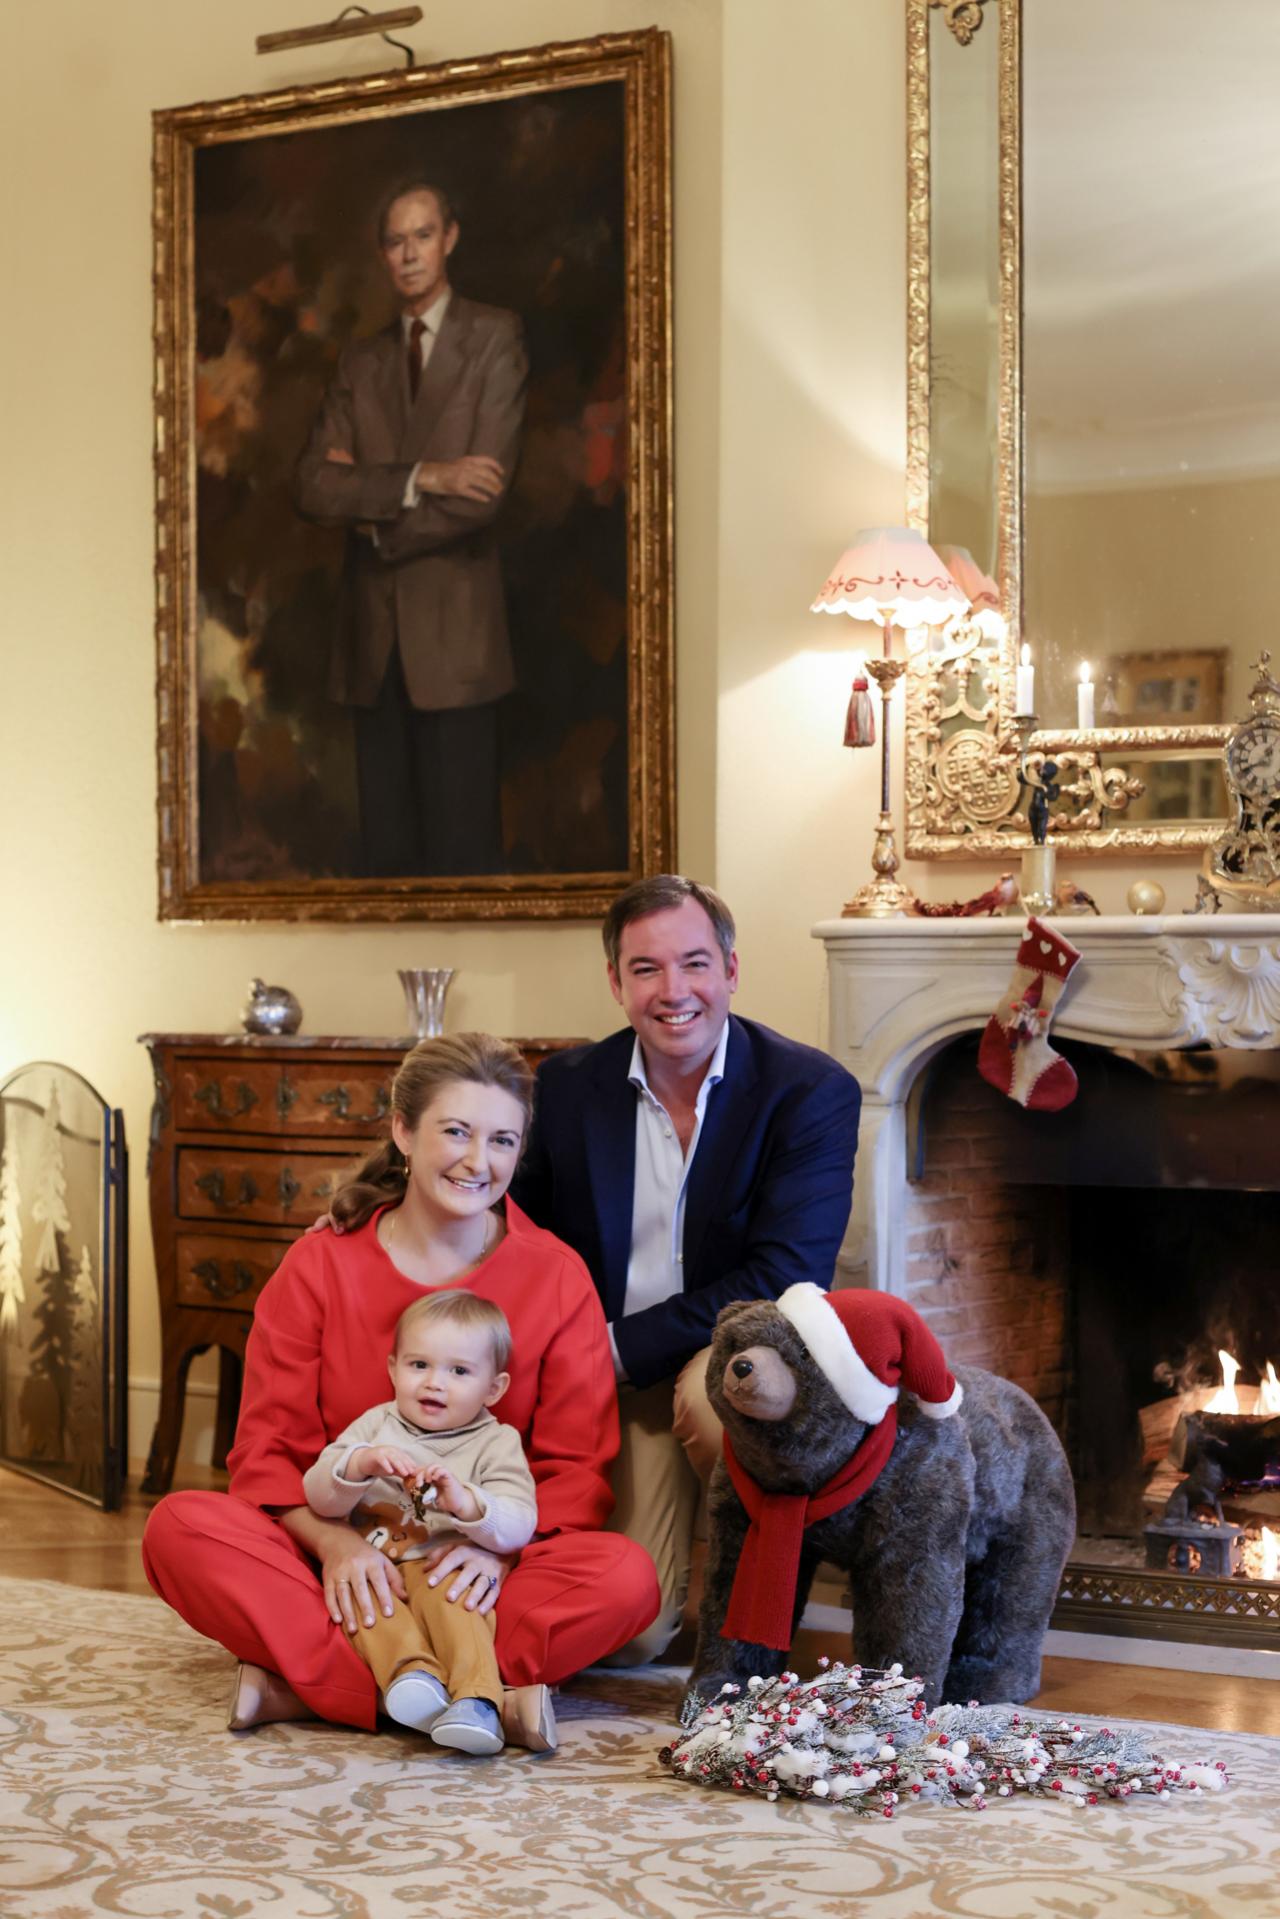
(1224, 991)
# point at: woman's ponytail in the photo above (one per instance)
(379, 1179)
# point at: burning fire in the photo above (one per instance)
(1227, 1400)
(1269, 1391)
(1260, 1554)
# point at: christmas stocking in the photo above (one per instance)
(1015, 1054)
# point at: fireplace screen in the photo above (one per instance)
(62, 1283)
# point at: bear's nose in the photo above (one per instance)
(742, 1369)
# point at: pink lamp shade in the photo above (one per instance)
(983, 593)
(890, 574)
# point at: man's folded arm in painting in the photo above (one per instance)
(333, 488)
(484, 473)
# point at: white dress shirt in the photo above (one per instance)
(655, 1270)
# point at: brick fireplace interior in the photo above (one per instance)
(1100, 1256)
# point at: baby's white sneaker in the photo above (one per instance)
(415, 1699)
(470, 1725)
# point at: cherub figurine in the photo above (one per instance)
(1043, 795)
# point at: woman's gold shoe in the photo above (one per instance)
(529, 1719)
(262, 1698)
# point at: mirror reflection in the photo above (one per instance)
(1151, 355)
(964, 253)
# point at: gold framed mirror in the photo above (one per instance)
(1093, 403)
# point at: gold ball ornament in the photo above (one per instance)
(1145, 896)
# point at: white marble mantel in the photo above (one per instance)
(898, 990)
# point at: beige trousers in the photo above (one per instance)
(670, 1440)
(454, 1645)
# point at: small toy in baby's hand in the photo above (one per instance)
(422, 1497)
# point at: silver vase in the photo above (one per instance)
(424, 992)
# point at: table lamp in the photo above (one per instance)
(892, 576)
(980, 589)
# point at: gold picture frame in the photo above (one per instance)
(558, 159)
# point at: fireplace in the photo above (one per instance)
(1073, 1253)
(1100, 1256)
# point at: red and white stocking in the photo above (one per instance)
(1015, 1054)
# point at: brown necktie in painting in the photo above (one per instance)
(416, 332)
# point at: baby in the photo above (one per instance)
(434, 1466)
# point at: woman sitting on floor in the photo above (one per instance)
(280, 1587)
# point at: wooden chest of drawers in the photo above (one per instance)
(249, 1140)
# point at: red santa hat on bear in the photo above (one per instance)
(868, 1345)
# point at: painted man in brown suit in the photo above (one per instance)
(413, 452)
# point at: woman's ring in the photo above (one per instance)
(493, 1579)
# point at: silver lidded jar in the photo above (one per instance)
(270, 1009)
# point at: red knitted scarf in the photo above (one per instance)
(763, 1600)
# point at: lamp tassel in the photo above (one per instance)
(860, 720)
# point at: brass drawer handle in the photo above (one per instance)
(286, 1094)
(210, 1096)
(215, 1185)
(243, 1279)
(340, 1100)
(287, 1187)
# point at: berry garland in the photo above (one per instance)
(863, 1739)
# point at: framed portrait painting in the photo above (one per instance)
(413, 475)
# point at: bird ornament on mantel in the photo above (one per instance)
(1070, 898)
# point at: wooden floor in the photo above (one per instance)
(48, 1536)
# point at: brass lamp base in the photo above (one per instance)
(884, 897)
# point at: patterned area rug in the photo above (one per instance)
(123, 1795)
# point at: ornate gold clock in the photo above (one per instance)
(1242, 869)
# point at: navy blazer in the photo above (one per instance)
(768, 1196)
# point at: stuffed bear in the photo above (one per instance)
(951, 1510)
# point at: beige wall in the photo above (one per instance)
(790, 426)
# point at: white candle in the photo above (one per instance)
(1084, 700)
(1025, 687)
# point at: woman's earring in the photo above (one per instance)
(406, 1167)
